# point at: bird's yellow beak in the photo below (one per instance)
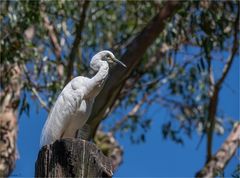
(119, 62)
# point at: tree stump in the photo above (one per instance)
(72, 157)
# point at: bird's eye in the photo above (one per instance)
(108, 57)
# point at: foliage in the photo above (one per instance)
(174, 73)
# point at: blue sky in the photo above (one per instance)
(154, 158)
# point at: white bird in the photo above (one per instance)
(74, 104)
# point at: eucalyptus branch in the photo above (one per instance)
(34, 90)
(43, 104)
(216, 89)
(132, 58)
(130, 83)
(133, 111)
(77, 41)
(229, 60)
(218, 162)
(212, 109)
(51, 32)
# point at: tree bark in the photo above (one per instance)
(9, 101)
(217, 163)
(8, 136)
(72, 157)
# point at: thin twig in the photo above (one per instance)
(51, 32)
(133, 111)
(34, 90)
(43, 104)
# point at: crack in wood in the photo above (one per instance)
(72, 157)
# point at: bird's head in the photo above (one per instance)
(105, 55)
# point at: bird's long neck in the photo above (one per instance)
(97, 82)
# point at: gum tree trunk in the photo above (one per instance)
(9, 101)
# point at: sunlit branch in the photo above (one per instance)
(51, 32)
(34, 90)
(43, 104)
(218, 162)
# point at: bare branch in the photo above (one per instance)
(43, 104)
(77, 41)
(218, 162)
(212, 109)
(34, 90)
(232, 53)
(130, 82)
(134, 110)
(51, 32)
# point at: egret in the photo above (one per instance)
(74, 104)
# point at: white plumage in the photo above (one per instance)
(74, 104)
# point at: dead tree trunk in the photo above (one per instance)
(72, 158)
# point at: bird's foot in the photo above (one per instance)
(84, 132)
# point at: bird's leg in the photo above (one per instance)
(84, 132)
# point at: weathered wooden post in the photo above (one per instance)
(72, 157)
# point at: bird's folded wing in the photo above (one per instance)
(57, 121)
